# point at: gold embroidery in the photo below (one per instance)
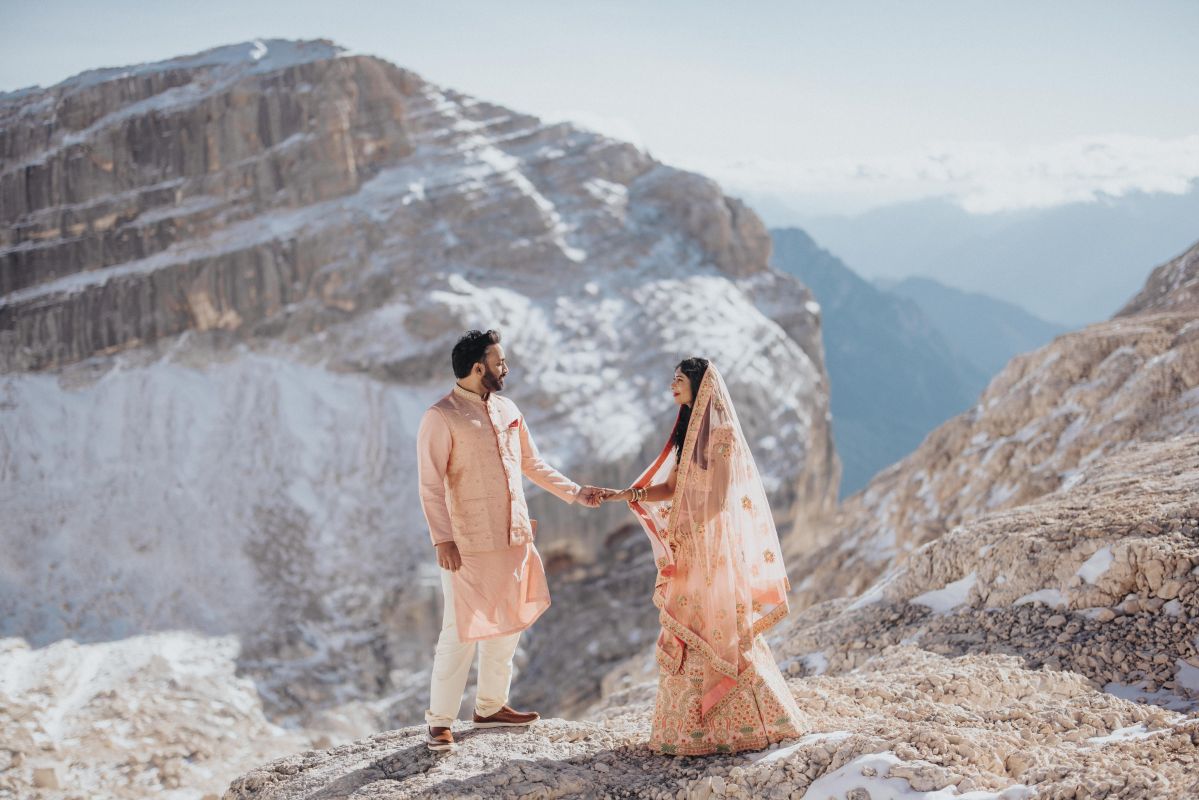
(662, 562)
(683, 601)
(757, 607)
(769, 556)
(741, 609)
(717, 634)
(754, 712)
(746, 503)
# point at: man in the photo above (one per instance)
(472, 448)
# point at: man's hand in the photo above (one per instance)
(448, 556)
(592, 496)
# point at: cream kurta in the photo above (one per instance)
(471, 455)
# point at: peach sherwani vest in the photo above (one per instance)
(485, 496)
(471, 454)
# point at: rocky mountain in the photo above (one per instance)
(230, 282)
(893, 375)
(1044, 424)
(987, 332)
(1046, 646)
(1174, 286)
(1072, 264)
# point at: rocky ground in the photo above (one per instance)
(908, 723)
(1074, 674)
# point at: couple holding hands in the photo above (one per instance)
(720, 577)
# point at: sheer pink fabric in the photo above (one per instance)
(721, 580)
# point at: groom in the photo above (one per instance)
(472, 448)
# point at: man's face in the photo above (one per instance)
(495, 368)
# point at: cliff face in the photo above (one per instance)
(222, 190)
(1044, 423)
(138, 204)
(230, 284)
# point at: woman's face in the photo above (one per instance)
(680, 387)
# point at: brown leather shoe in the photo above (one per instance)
(506, 716)
(439, 739)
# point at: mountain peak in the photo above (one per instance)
(1173, 286)
(253, 56)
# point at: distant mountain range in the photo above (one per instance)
(1072, 264)
(903, 356)
(893, 376)
(986, 331)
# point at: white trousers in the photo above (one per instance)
(451, 667)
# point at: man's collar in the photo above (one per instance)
(468, 394)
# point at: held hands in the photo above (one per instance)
(593, 496)
(620, 495)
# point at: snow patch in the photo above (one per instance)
(1094, 567)
(949, 597)
(849, 781)
(816, 663)
(1163, 698)
(1187, 677)
(1126, 734)
(874, 594)
(1050, 597)
(781, 754)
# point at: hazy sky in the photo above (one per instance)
(834, 105)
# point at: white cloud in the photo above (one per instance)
(982, 176)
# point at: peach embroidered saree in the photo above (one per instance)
(721, 583)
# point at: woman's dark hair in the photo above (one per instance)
(471, 349)
(694, 369)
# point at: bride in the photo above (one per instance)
(721, 581)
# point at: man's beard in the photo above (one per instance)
(492, 382)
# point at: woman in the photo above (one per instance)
(720, 583)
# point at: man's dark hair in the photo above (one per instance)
(471, 349)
